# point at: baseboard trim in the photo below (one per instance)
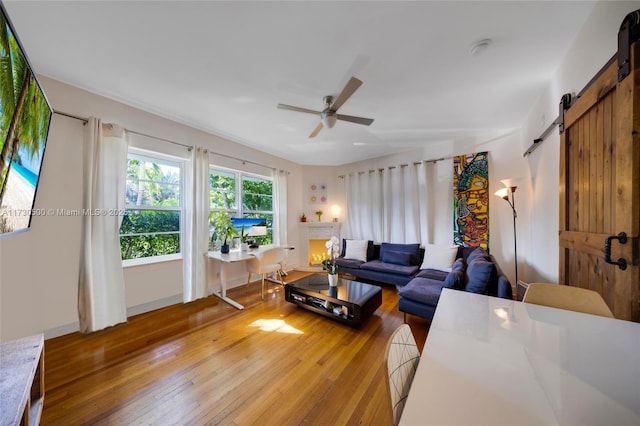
(153, 305)
(62, 330)
(131, 311)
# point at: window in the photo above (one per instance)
(151, 223)
(255, 194)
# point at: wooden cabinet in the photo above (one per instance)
(22, 381)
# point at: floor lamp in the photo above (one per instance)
(504, 194)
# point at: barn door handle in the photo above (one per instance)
(622, 238)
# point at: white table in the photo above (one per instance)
(234, 256)
(493, 361)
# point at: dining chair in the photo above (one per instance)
(264, 263)
(401, 361)
(567, 297)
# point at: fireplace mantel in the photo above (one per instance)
(314, 231)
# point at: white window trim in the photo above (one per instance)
(127, 263)
(238, 211)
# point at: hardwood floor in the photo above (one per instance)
(206, 363)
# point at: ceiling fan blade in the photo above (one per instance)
(295, 108)
(353, 119)
(346, 93)
(316, 130)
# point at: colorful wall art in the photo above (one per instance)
(471, 200)
(318, 193)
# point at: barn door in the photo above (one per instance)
(600, 185)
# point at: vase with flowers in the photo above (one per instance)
(330, 265)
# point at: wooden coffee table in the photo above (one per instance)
(351, 302)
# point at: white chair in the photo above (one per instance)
(567, 297)
(401, 361)
(264, 263)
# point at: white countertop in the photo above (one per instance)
(500, 362)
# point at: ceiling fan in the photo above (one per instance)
(329, 115)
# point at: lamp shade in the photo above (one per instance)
(328, 119)
(502, 192)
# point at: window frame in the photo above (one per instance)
(239, 211)
(173, 160)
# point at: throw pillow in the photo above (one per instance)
(397, 257)
(480, 274)
(370, 249)
(356, 249)
(455, 278)
(412, 249)
(439, 257)
(477, 253)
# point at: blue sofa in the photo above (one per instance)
(474, 270)
(386, 263)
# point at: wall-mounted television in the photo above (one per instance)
(25, 116)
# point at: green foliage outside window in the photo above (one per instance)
(222, 190)
(256, 196)
(146, 233)
(151, 224)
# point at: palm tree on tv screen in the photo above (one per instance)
(12, 72)
(32, 127)
(27, 126)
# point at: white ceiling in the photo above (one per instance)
(224, 66)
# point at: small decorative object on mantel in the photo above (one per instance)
(303, 218)
(330, 265)
(319, 214)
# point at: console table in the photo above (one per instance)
(351, 302)
(22, 381)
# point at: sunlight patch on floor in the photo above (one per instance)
(277, 325)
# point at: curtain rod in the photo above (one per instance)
(244, 161)
(415, 163)
(86, 120)
(190, 147)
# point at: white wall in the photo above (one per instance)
(39, 268)
(326, 176)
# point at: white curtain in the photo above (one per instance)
(391, 205)
(353, 206)
(376, 200)
(426, 201)
(196, 226)
(101, 295)
(280, 188)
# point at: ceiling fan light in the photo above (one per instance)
(329, 120)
